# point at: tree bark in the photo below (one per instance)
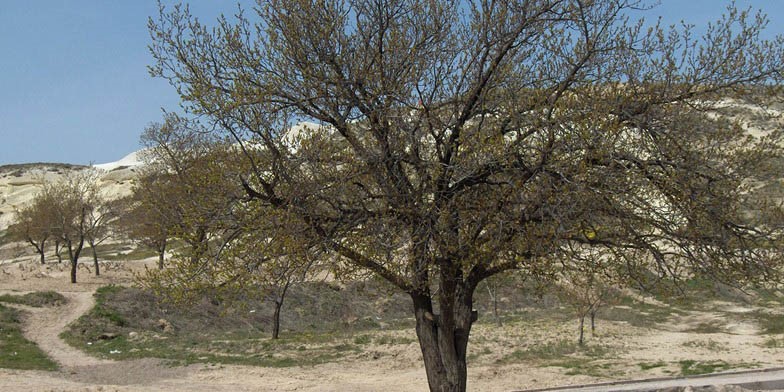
(276, 319)
(278, 305)
(161, 253)
(580, 341)
(74, 262)
(73, 254)
(493, 292)
(57, 250)
(443, 338)
(95, 261)
(593, 322)
(39, 249)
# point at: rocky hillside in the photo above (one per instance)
(19, 183)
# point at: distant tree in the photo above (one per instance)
(147, 216)
(33, 223)
(188, 193)
(99, 227)
(587, 281)
(187, 188)
(272, 270)
(58, 249)
(76, 201)
(455, 140)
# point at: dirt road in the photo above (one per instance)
(770, 380)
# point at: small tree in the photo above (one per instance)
(187, 186)
(99, 228)
(272, 270)
(148, 215)
(33, 223)
(58, 249)
(77, 198)
(587, 291)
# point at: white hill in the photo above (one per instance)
(19, 183)
(131, 160)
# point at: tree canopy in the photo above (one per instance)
(452, 141)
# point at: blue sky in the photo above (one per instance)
(74, 86)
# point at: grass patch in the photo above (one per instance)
(554, 351)
(705, 328)
(393, 340)
(120, 252)
(319, 322)
(651, 365)
(37, 299)
(474, 355)
(589, 360)
(710, 345)
(577, 366)
(773, 343)
(692, 368)
(637, 313)
(16, 352)
(772, 324)
(104, 311)
(183, 350)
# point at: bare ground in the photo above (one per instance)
(397, 368)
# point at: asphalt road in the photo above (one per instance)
(754, 380)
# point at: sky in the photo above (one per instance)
(74, 85)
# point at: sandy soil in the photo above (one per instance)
(395, 368)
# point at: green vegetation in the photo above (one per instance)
(588, 360)
(17, 169)
(773, 343)
(328, 322)
(130, 323)
(710, 345)
(769, 323)
(37, 299)
(651, 365)
(705, 328)
(638, 313)
(16, 352)
(575, 366)
(120, 252)
(691, 368)
(554, 351)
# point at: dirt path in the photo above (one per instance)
(769, 380)
(397, 369)
(44, 325)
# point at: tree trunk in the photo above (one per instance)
(582, 324)
(57, 250)
(95, 261)
(73, 254)
(276, 319)
(74, 261)
(39, 249)
(278, 305)
(43, 250)
(161, 252)
(444, 340)
(492, 290)
(593, 322)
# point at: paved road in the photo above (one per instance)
(760, 380)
